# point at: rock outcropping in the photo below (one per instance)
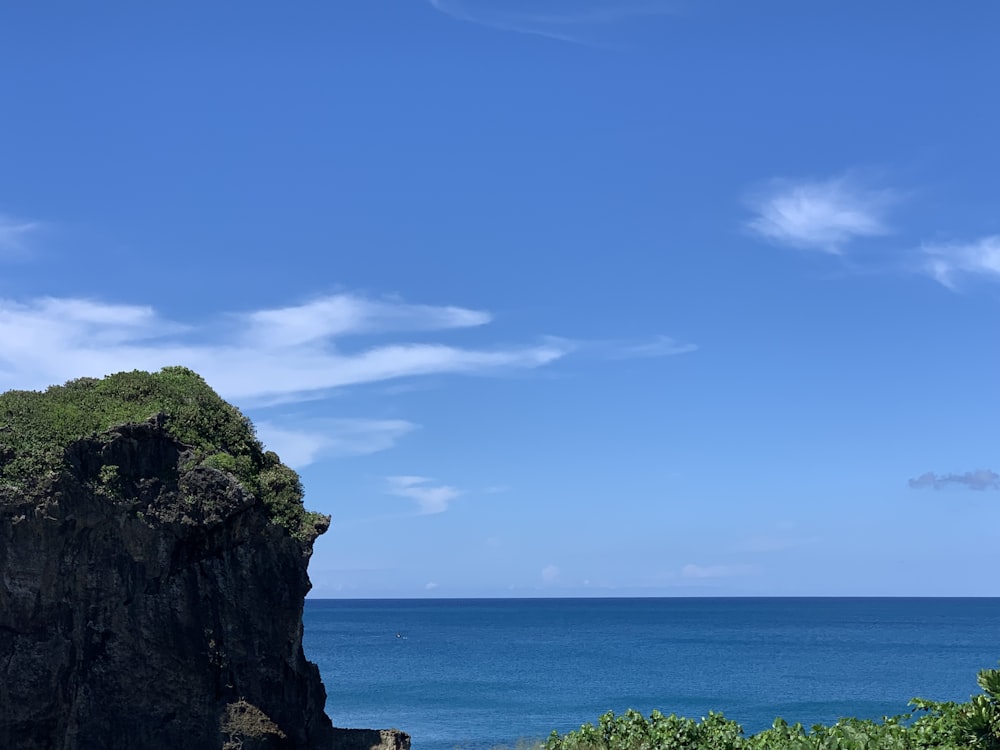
(149, 601)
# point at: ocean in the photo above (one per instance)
(482, 673)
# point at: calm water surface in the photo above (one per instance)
(477, 673)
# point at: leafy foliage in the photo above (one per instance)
(931, 726)
(37, 426)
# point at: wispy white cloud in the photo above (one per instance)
(430, 586)
(979, 258)
(274, 355)
(563, 21)
(821, 215)
(14, 235)
(659, 346)
(550, 574)
(774, 543)
(981, 479)
(430, 497)
(351, 315)
(313, 439)
(717, 571)
(618, 349)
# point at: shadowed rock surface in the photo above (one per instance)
(371, 739)
(149, 600)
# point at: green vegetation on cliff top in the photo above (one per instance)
(37, 426)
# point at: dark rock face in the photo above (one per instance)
(371, 739)
(146, 604)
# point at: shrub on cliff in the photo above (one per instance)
(974, 725)
(37, 426)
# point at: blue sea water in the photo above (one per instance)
(477, 673)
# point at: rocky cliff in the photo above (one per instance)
(152, 575)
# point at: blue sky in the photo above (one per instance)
(542, 298)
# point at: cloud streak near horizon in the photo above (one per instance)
(981, 479)
(693, 571)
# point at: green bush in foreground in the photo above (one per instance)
(37, 426)
(974, 724)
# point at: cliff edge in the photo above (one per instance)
(152, 574)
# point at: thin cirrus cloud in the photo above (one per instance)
(693, 571)
(660, 346)
(430, 497)
(550, 573)
(564, 21)
(950, 261)
(14, 236)
(331, 438)
(346, 314)
(981, 479)
(285, 354)
(823, 216)
(612, 350)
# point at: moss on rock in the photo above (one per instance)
(36, 428)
